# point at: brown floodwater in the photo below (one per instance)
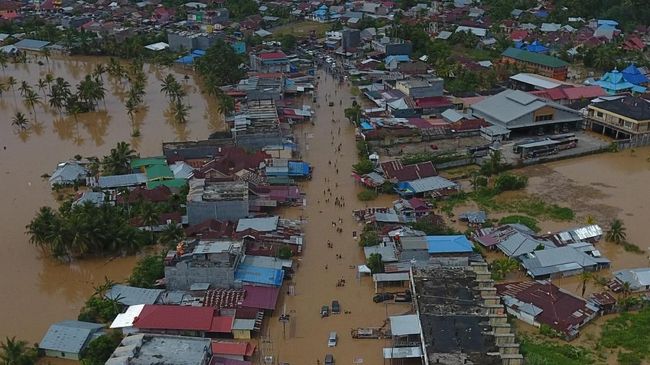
(36, 290)
(305, 339)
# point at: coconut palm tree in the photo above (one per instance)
(49, 79)
(616, 232)
(180, 112)
(4, 60)
(24, 87)
(171, 234)
(119, 159)
(42, 84)
(11, 81)
(16, 352)
(100, 70)
(150, 217)
(3, 88)
(226, 104)
(30, 99)
(167, 86)
(585, 277)
(20, 121)
(47, 54)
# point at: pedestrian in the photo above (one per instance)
(325, 266)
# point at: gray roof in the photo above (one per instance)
(31, 44)
(266, 224)
(637, 278)
(561, 259)
(69, 336)
(431, 183)
(387, 217)
(267, 262)
(94, 197)
(519, 244)
(119, 181)
(405, 325)
(390, 277)
(129, 295)
(510, 105)
(387, 252)
(402, 352)
(67, 172)
(146, 349)
(414, 243)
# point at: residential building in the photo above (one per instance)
(434, 186)
(129, 295)
(68, 173)
(351, 39)
(392, 47)
(216, 200)
(542, 303)
(568, 260)
(210, 262)
(616, 82)
(120, 181)
(418, 88)
(151, 349)
(445, 251)
(537, 63)
(9, 10)
(396, 171)
(638, 279)
(627, 117)
(257, 125)
(67, 339)
(269, 62)
(188, 41)
(461, 319)
(526, 114)
(570, 95)
(513, 240)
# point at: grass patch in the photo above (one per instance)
(628, 331)
(521, 219)
(367, 195)
(544, 353)
(302, 29)
(532, 207)
(449, 203)
(631, 247)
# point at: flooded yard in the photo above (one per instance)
(38, 291)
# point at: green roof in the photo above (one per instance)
(137, 163)
(532, 57)
(170, 183)
(156, 172)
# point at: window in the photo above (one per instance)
(599, 114)
(542, 118)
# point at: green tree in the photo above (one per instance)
(375, 263)
(501, 268)
(30, 99)
(20, 121)
(171, 234)
(16, 352)
(181, 111)
(616, 232)
(220, 66)
(100, 349)
(119, 160)
(363, 167)
(353, 113)
(367, 195)
(369, 238)
(288, 42)
(507, 182)
(285, 252)
(147, 271)
(585, 277)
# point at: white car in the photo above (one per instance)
(332, 339)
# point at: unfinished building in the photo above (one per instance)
(461, 317)
(226, 200)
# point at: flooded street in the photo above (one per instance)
(305, 338)
(38, 291)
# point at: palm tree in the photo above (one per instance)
(169, 86)
(130, 110)
(3, 88)
(43, 228)
(3, 61)
(226, 104)
(11, 81)
(180, 112)
(47, 54)
(42, 84)
(31, 99)
(150, 217)
(590, 219)
(616, 232)
(119, 159)
(171, 234)
(16, 352)
(99, 71)
(20, 121)
(49, 79)
(585, 277)
(24, 87)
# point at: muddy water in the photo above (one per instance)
(305, 336)
(37, 291)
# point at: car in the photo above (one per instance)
(336, 307)
(329, 359)
(324, 311)
(382, 297)
(331, 339)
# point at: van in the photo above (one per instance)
(331, 340)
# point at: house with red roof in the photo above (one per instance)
(159, 194)
(570, 94)
(211, 229)
(542, 303)
(633, 43)
(9, 10)
(398, 172)
(175, 319)
(519, 35)
(232, 350)
(275, 61)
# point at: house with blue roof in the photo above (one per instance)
(259, 275)
(67, 339)
(537, 47)
(451, 250)
(614, 82)
(634, 76)
(321, 14)
(391, 62)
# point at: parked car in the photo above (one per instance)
(324, 311)
(329, 359)
(336, 307)
(331, 339)
(382, 297)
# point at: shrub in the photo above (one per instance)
(147, 271)
(547, 331)
(367, 195)
(628, 358)
(363, 167)
(506, 182)
(369, 238)
(285, 252)
(375, 264)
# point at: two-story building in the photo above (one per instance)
(539, 63)
(625, 118)
(269, 62)
(524, 113)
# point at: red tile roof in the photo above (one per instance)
(174, 317)
(272, 55)
(570, 93)
(260, 297)
(223, 298)
(560, 310)
(432, 102)
(157, 195)
(518, 35)
(211, 229)
(396, 170)
(229, 348)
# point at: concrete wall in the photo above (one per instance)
(62, 355)
(183, 275)
(178, 42)
(198, 212)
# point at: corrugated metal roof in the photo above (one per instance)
(129, 295)
(405, 325)
(68, 336)
(117, 181)
(266, 224)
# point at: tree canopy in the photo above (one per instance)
(147, 271)
(219, 66)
